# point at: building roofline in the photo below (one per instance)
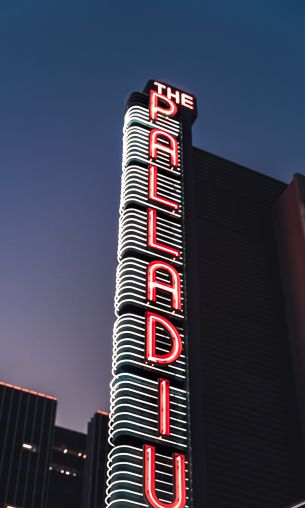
(263, 175)
(26, 390)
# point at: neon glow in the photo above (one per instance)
(151, 331)
(153, 189)
(153, 283)
(164, 407)
(155, 108)
(185, 99)
(152, 235)
(130, 350)
(155, 146)
(135, 411)
(160, 86)
(173, 95)
(26, 390)
(179, 497)
(149, 390)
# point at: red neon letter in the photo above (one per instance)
(174, 95)
(179, 497)
(155, 146)
(152, 320)
(159, 86)
(187, 101)
(154, 107)
(152, 283)
(152, 235)
(164, 407)
(153, 192)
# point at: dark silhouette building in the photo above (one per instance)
(43, 465)
(26, 431)
(245, 424)
(67, 469)
(95, 465)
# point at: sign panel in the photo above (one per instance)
(149, 463)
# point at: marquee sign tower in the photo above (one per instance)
(149, 464)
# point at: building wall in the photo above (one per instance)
(95, 468)
(67, 469)
(289, 214)
(245, 429)
(43, 465)
(26, 426)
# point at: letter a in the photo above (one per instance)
(152, 283)
(169, 145)
(179, 497)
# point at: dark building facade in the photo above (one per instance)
(46, 466)
(26, 431)
(95, 466)
(246, 430)
(67, 468)
(210, 306)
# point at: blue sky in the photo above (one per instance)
(66, 70)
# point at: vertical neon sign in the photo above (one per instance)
(149, 463)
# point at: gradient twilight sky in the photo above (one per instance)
(67, 67)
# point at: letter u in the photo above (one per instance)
(179, 496)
